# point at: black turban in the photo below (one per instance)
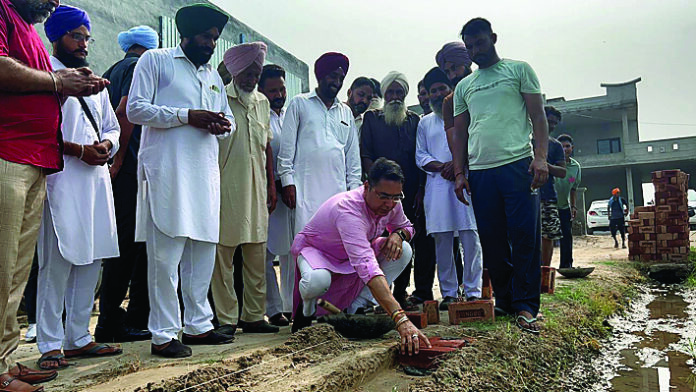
(197, 18)
(435, 75)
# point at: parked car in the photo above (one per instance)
(598, 216)
(692, 209)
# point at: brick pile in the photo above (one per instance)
(661, 232)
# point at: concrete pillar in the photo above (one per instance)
(580, 223)
(629, 189)
(624, 128)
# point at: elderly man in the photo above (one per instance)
(127, 273)
(247, 195)
(343, 259)
(496, 110)
(179, 99)
(445, 215)
(319, 149)
(278, 300)
(391, 133)
(30, 148)
(78, 229)
(359, 98)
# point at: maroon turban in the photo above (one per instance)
(329, 62)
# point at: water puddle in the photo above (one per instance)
(653, 344)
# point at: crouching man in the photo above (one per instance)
(342, 258)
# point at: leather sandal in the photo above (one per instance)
(11, 384)
(32, 376)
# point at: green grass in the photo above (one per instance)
(691, 280)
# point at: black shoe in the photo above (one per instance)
(301, 321)
(623, 245)
(616, 245)
(210, 338)
(227, 329)
(261, 326)
(414, 299)
(288, 315)
(175, 349)
(472, 298)
(444, 305)
(125, 334)
(279, 320)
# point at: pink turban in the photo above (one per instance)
(240, 57)
(329, 62)
(454, 52)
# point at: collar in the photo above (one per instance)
(233, 93)
(282, 113)
(131, 54)
(56, 64)
(313, 94)
(179, 53)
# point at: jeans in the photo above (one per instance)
(567, 240)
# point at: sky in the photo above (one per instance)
(572, 45)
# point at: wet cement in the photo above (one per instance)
(653, 344)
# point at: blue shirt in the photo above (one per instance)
(616, 207)
(554, 155)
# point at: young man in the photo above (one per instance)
(550, 220)
(617, 209)
(319, 151)
(492, 111)
(359, 97)
(247, 195)
(78, 229)
(391, 133)
(343, 259)
(446, 216)
(180, 100)
(127, 273)
(278, 300)
(566, 189)
(30, 147)
(423, 99)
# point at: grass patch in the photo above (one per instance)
(691, 280)
(506, 359)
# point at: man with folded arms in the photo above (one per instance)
(30, 148)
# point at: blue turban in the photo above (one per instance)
(144, 36)
(64, 19)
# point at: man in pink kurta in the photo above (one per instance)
(341, 249)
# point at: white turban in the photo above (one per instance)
(394, 76)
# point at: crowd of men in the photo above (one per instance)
(350, 197)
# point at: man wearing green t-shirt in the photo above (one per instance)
(566, 189)
(496, 109)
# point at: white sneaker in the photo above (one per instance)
(30, 336)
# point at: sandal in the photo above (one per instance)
(527, 326)
(97, 350)
(52, 357)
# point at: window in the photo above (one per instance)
(675, 146)
(609, 146)
(650, 149)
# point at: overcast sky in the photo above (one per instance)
(572, 45)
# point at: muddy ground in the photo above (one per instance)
(319, 360)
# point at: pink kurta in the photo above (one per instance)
(343, 237)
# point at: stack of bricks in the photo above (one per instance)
(661, 232)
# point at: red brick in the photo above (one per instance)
(419, 319)
(646, 229)
(461, 312)
(548, 280)
(486, 285)
(427, 358)
(432, 311)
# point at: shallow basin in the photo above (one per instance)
(578, 272)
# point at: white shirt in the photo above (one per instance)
(443, 211)
(80, 197)
(319, 153)
(177, 164)
(281, 220)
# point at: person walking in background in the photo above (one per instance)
(617, 209)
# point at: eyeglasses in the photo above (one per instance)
(395, 198)
(79, 37)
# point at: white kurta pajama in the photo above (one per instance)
(178, 208)
(446, 215)
(319, 153)
(279, 239)
(78, 228)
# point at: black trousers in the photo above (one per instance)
(128, 270)
(618, 224)
(567, 240)
(30, 291)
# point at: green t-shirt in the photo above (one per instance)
(564, 185)
(500, 131)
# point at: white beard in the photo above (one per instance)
(244, 96)
(395, 113)
(437, 109)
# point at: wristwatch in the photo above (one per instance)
(401, 234)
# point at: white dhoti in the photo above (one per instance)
(472, 260)
(169, 258)
(62, 286)
(279, 300)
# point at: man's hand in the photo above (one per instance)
(541, 172)
(79, 82)
(461, 184)
(447, 171)
(391, 248)
(411, 339)
(215, 123)
(96, 154)
(288, 196)
(418, 201)
(272, 199)
(115, 166)
(573, 213)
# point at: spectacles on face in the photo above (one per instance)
(386, 196)
(79, 37)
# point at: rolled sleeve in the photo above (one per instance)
(398, 220)
(353, 229)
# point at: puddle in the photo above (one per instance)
(652, 345)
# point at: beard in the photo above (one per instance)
(360, 107)
(395, 113)
(38, 11)
(245, 96)
(69, 59)
(197, 54)
(277, 103)
(376, 103)
(436, 106)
